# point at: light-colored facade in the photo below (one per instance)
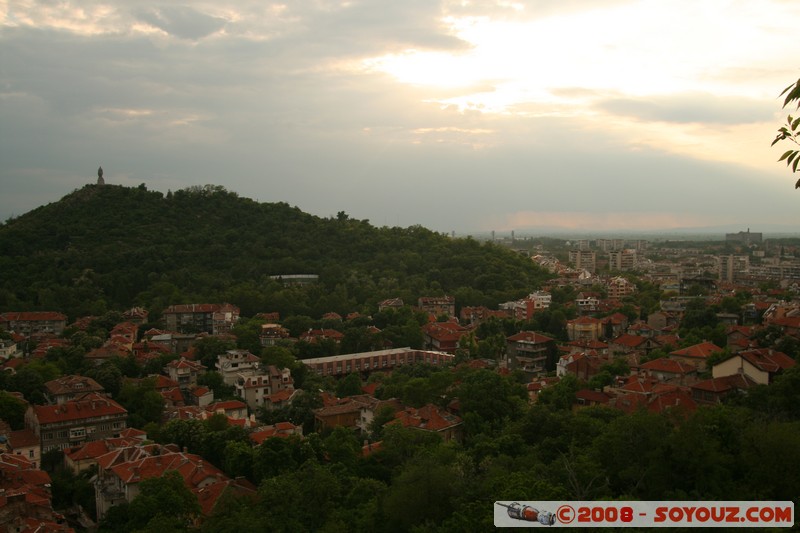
(583, 260)
(236, 363)
(622, 260)
(256, 389)
(337, 365)
(184, 372)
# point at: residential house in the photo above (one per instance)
(587, 303)
(28, 323)
(345, 412)
(22, 442)
(9, 348)
(231, 408)
(281, 429)
(641, 329)
(90, 417)
(432, 419)
(480, 314)
(66, 388)
(136, 315)
(626, 344)
(256, 389)
(589, 397)
(696, 354)
(585, 328)
(738, 337)
(316, 335)
(592, 347)
(581, 365)
(713, 391)
(790, 325)
(84, 457)
(531, 352)
(443, 336)
(201, 396)
(438, 305)
(215, 319)
(616, 324)
(104, 353)
(124, 334)
(236, 363)
(185, 372)
(760, 365)
(665, 369)
(619, 287)
(120, 473)
(658, 320)
(391, 303)
(25, 498)
(271, 334)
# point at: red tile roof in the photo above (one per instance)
(91, 405)
(197, 308)
(90, 450)
(678, 399)
(174, 395)
(209, 495)
(23, 438)
(192, 468)
(768, 360)
(200, 391)
(725, 384)
(31, 316)
(428, 417)
(72, 384)
(593, 396)
(281, 429)
(529, 336)
(671, 366)
(585, 320)
(227, 405)
(371, 447)
(370, 388)
(631, 341)
(163, 382)
(698, 351)
(185, 363)
(281, 396)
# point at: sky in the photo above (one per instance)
(465, 116)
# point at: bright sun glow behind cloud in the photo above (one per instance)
(641, 48)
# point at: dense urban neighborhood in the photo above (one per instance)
(624, 369)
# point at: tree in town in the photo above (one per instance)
(12, 410)
(791, 131)
(165, 500)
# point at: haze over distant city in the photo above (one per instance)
(601, 115)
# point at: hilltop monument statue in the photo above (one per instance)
(100, 180)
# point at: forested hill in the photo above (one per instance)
(111, 247)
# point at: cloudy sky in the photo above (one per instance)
(457, 115)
